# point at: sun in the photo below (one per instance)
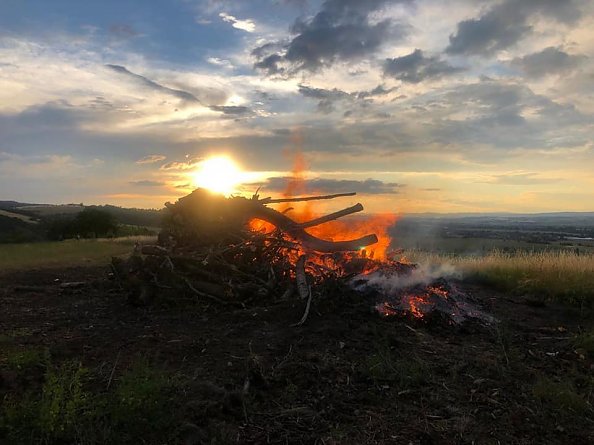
(219, 174)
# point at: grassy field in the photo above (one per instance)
(23, 218)
(64, 253)
(548, 275)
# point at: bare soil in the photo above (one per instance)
(348, 376)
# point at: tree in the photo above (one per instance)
(93, 222)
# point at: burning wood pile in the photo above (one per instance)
(238, 251)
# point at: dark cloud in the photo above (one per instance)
(148, 83)
(341, 30)
(379, 90)
(230, 109)
(146, 183)
(505, 24)
(270, 65)
(550, 60)
(320, 185)
(415, 67)
(326, 97)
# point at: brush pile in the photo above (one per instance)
(210, 250)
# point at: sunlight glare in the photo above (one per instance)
(219, 174)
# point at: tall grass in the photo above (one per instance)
(65, 253)
(552, 275)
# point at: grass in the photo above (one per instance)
(68, 406)
(561, 395)
(24, 218)
(550, 275)
(64, 253)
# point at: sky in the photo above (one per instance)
(417, 105)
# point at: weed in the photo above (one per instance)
(63, 400)
(139, 409)
(559, 394)
(585, 342)
(25, 359)
(406, 372)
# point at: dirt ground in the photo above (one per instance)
(348, 376)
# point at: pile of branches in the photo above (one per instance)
(208, 251)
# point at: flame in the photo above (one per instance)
(356, 227)
(340, 230)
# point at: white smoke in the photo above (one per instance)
(424, 274)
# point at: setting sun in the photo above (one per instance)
(219, 174)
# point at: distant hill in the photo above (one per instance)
(8, 205)
(20, 222)
(130, 216)
(15, 230)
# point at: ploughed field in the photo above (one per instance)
(79, 364)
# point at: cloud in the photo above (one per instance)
(148, 83)
(504, 24)
(230, 109)
(244, 25)
(321, 185)
(123, 31)
(342, 30)
(219, 62)
(550, 60)
(505, 115)
(146, 183)
(415, 67)
(379, 90)
(150, 159)
(184, 96)
(326, 97)
(180, 166)
(520, 178)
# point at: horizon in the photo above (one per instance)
(486, 109)
(362, 215)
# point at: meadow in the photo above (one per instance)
(553, 275)
(69, 253)
(558, 275)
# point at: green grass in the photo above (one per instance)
(69, 406)
(550, 275)
(560, 395)
(64, 253)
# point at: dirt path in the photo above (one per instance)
(346, 377)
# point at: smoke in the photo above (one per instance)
(422, 275)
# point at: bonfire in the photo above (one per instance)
(240, 251)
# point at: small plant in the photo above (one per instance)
(559, 394)
(406, 372)
(25, 359)
(63, 400)
(585, 342)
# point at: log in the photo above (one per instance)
(300, 277)
(294, 230)
(305, 198)
(332, 216)
(303, 288)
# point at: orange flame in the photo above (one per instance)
(345, 229)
